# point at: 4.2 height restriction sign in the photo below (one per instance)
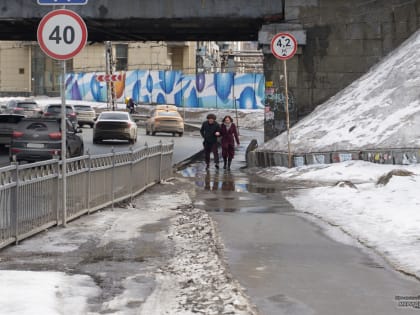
(284, 46)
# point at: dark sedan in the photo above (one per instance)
(40, 139)
(54, 111)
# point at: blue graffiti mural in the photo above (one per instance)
(219, 90)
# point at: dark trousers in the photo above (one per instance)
(209, 148)
(228, 151)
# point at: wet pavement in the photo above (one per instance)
(287, 261)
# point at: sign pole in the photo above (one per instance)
(62, 34)
(283, 47)
(286, 93)
(64, 138)
(64, 141)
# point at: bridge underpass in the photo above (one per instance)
(159, 20)
(339, 40)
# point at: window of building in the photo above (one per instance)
(21, 70)
(121, 57)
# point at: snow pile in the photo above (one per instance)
(158, 256)
(380, 110)
(385, 217)
(52, 293)
(196, 280)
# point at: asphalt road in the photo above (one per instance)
(185, 146)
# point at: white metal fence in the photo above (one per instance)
(30, 194)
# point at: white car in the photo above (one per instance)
(114, 125)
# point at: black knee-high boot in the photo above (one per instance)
(224, 163)
(229, 162)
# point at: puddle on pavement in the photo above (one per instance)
(235, 191)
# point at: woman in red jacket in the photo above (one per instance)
(229, 134)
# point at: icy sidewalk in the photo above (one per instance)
(195, 280)
(156, 256)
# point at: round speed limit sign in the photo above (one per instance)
(283, 46)
(62, 34)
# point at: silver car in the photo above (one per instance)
(85, 115)
(27, 107)
(114, 125)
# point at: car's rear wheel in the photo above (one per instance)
(180, 134)
(147, 132)
(96, 141)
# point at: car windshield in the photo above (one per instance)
(27, 105)
(168, 114)
(83, 108)
(11, 119)
(114, 116)
(57, 109)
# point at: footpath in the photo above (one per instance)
(158, 255)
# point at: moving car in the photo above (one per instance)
(40, 139)
(85, 115)
(54, 111)
(114, 125)
(29, 108)
(8, 123)
(168, 120)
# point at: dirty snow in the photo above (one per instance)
(380, 110)
(194, 279)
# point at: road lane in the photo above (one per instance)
(185, 146)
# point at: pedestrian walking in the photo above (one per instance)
(229, 134)
(210, 131)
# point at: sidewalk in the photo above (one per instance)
(157, 256)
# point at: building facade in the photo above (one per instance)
(26, 70)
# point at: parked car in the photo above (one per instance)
(114, 125)
(54, 111)
(85, 115)
(29, 108)
(165, 121)
(8, 123)
(40, 139)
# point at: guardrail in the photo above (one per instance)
(31, 194)
(401, 156)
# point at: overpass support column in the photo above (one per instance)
(275, 111)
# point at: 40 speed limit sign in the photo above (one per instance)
(62, 34)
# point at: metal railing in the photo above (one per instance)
(30, 194)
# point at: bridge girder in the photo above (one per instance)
(168, 20)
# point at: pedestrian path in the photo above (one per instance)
(288, 262)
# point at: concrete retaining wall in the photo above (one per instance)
(402, 156)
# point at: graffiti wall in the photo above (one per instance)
(218, 90)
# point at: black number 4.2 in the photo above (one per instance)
(68, 35)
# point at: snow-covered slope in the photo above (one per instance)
(379, 110)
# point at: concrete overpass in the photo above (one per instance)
(134, 20)
(339, 40)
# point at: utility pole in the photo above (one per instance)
(109, 71)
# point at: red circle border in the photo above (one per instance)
(41, 26)
(294, 50)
